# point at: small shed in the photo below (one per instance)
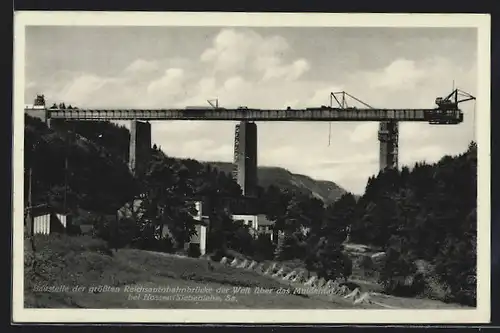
(47, 220)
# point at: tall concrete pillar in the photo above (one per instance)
(388, 136)
(140, 147)
(245, 157)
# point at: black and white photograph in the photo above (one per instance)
(240, 164)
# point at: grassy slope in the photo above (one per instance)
(324, 190)
(86, 262)
(83, 261)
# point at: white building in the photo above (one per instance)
(258, 224)
(248, 220)
(200, 238)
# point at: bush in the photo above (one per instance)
(400, 276)
(242, 241)
(290, 246)
(73, 230)
(194, 250)
(217, 255)
(346, 266)
(435, 289)
(366, 266)
(231, 254)
(329, 262)
(165, 244)
(264, 248)
(366, 263)
(65, 243)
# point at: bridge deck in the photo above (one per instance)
(317, 114)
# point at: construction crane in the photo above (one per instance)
(211, 102)
(342, 97)
(39, 100)
(388, 133)
(451, 101)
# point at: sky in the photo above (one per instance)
(162, 67)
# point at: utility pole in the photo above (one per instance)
(29, 214)
(65, 181)
(71, 137)
(66, 163)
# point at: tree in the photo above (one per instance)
(275, 203)
(289, 246)
(166, 203)
(314, 211)
(291, 243)
(338, 218)
(241, 239)
(426, 213)
(294, 217)
(325, 250)
(264, 248)
(398, 272)
(221, 228)
(456, 264)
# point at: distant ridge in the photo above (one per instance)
(326, 191)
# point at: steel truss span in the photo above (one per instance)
(437, 116)
(446, 112)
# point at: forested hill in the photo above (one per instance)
(326, 191)
(98, 178)
(425, 219)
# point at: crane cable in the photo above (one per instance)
(330, 124)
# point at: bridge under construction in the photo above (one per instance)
(446, 112)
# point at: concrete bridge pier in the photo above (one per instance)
(388, 136)
(245, 157)
(55, 124)
(140, 147)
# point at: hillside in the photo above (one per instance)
(96, 178)
(101, 278)
(325, 190)
(93, 265)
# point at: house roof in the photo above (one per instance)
(44, 209)
(243, 215)
(39, 209)
(262, 220)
